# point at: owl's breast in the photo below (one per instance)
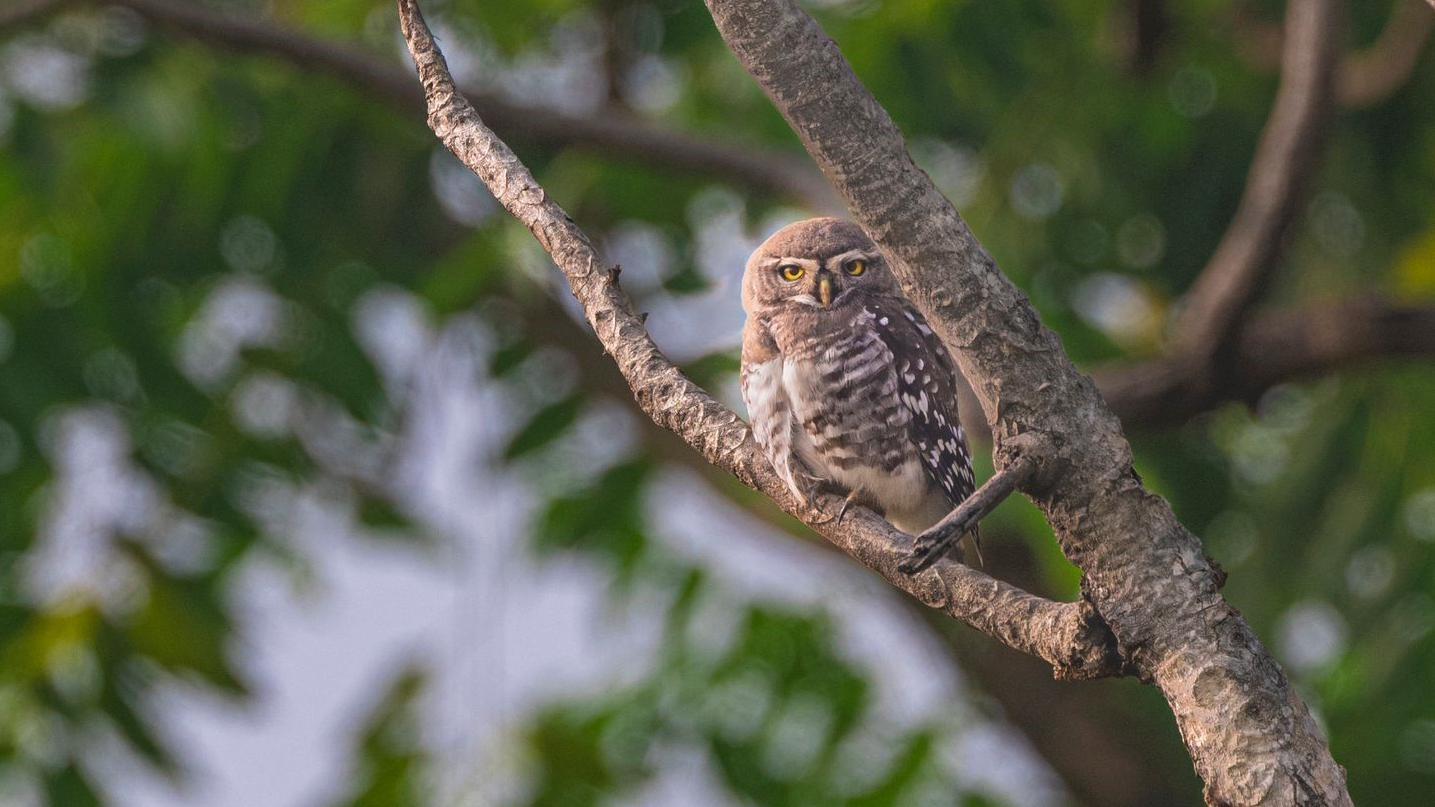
(851, 425)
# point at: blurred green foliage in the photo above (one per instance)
(391, 753)
(193, 228)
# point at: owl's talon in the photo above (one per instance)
(846, 503)
(818, 488)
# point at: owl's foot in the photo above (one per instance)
(815, 490)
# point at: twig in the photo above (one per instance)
(1148, 23)
(1070, 636)
(931, 545)
(1252, 245)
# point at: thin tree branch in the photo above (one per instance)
(609, 134)
(932, 544)
(1147, 23)
(1286, 156)
(1369, 76)
(24, 12)
(1066, 635)
(1366, 77)
(1252, 739)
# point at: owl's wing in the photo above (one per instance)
(927, 387)
(768, 410)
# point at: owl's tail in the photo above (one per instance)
(974, 537)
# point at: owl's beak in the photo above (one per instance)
(824, 289)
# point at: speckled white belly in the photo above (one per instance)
(905, 494)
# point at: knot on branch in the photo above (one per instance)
(1035, 451)
(1093, 649)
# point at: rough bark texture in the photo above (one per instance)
(1101, 737)
(1251, 738)
(1066, 635)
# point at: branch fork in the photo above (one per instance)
(1249, 729)
(1069, 636)
(939, 538)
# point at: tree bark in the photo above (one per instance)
(1066, 635)
(1251, 738)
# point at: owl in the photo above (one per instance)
(846, 385)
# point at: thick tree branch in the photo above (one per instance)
(608, 133)
(1109, 750)
(1251, 738)
(1066, 635)
(1286, 156)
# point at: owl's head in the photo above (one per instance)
(818, 264)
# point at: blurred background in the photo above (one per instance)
(314, 491)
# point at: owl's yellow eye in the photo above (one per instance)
(791, 272)
(856, 268)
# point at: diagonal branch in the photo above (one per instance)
(1252, 245)
(1250, 736)
(1067, 635)
(610, 134)
(932, 544)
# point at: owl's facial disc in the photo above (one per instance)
(824, 264)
